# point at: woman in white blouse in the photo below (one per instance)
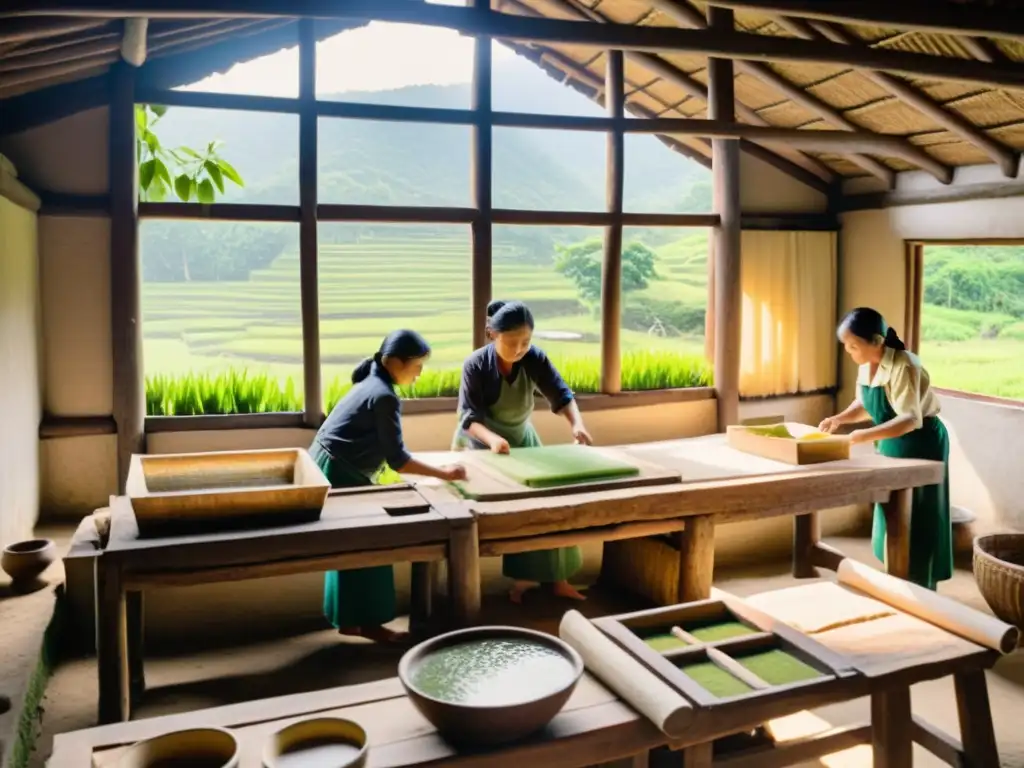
(894, 391)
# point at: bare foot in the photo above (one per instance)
(518, 588)
(377, 634)
(565, 589)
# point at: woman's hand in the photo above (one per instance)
(829, 425)
(453, 473)
(580, 435)
(499, 444)
(859, 436)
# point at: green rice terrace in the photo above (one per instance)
(236, 346)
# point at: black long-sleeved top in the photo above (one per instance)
(481, 382)
(365, 428)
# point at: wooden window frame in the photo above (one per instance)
(914, 298)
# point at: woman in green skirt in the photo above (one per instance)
(496, 399)
(361, 436)
(894, 391)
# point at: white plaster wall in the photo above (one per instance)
(765, 189)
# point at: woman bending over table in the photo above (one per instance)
(361, 436)
(496, 400)
(894, 391)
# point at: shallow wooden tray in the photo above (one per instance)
(789, 450)
(202, 492)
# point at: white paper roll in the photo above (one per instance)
(930, 606)
(628, 678)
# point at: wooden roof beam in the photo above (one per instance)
(917, 15)
(686, 14)
(133, 43)
(24, 30)
(718, 43)
(1006, 158)
(692, 87)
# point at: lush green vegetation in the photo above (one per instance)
(972, 323)
(235, 346)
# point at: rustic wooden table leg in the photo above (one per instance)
(111, 643)
(464, 572)
(806, 534)
(696, 558)
(699, 755)
(897, 532)
(423, 578)
(975, 713)
(892, 729)
(134, 618)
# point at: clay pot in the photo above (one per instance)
(24, 561)
(468, 725)
(195, 748)
(322, 740)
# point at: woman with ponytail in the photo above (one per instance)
(496, 400)
(894, 392)
(362, 435)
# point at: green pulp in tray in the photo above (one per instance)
(664, 641)
(721, 630)
(554, 465)
(775, 667)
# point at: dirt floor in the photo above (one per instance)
(210, 676)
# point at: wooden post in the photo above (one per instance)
(897, 532)
(725, 167)
(135, 618)
(975, 714)
(611, 269)
(423, 579)
(125, 299)
(481, 173)
(464, 572)
(696, 559)
(308, 258)
(892, 729)
(806, 535)
(111, 644)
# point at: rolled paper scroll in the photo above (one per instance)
(930, 606)
(625, 676)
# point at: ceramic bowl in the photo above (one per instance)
(485, 725)
(321, 741)
(25, 560)
(194, 747)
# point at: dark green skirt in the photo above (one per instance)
(362, 597)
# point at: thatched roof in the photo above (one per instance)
(951, 123)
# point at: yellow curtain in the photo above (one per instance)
(788, 281)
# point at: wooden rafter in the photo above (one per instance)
(1005, 157)
(668, 72)
(16, 31)
(917, 15)
(723, 43)
(684, 13)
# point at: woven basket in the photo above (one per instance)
(999, 571)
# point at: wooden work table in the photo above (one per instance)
(358, 528)
(719, 485)
(597, 727)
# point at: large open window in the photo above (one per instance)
(972, 318)
(283, 237)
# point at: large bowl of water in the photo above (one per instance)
(487, 686)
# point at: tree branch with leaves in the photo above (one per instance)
(188, 173)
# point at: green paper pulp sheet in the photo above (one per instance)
(554, 465)
(715, 680)
(777, 667)
(719, 630)
(664, 641)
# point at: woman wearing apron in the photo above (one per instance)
(894, 391)
(496, 400)
(361, 436)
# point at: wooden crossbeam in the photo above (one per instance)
(1005, 157)
(663, 69)
(684, 13)
(720, 43)
(917, 15)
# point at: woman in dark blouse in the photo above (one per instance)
(362, 434)
(496, 400)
